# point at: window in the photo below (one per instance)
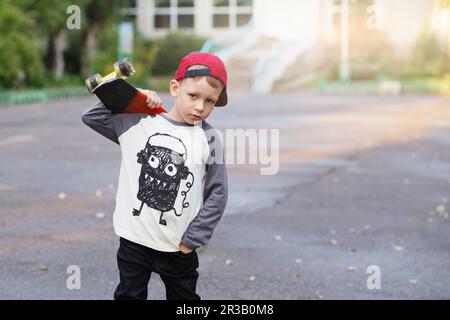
(231, 13)
(243, 19)
(174, 14)
(245, 3)
(162, 3)
(221, 21)
(162, 21)
(221, 3)
(186, 3)
(186, 21)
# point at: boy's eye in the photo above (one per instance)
(193, 96)
(211, 102)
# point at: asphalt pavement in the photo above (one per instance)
(363, 182)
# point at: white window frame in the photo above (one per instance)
(232, 10)
(173, 12)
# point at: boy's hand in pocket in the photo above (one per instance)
(185, 249)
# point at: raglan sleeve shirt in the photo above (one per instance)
(215, 194)
(207, 197)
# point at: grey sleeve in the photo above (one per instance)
(101, 119)
(215, 198)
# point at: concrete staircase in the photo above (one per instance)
(309, 66)
(240, 67)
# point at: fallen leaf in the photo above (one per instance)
(352, 231)
(413, 281)
(100, 215)
(366, 226)
(229, 262)
(333, 242)
(296, 274)
(319, 295)
(441, 211)
(252, 278)
(61, 195)
(98, 193)
(278, 238)
(351, 268)
(412, 220)
(298, 260)
(440, 208)
(42, 268)
(397, 248)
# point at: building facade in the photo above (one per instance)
(208, 18)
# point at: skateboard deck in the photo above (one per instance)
(121, 97)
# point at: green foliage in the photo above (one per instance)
(172, 48)
(20, 60)
(428, 60)
(106, 54)
(428, 56)
(27, 44)
(49, 15)
(144, 61)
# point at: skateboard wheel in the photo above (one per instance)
(93, 81)
(124, 68)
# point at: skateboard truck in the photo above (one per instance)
(122, 69)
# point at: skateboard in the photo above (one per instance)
(117, 94)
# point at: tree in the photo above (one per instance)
(20, 59)
(50, 17)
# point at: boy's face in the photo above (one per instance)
(194, 98)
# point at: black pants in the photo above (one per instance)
(177, 270)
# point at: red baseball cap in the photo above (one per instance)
(215, 68)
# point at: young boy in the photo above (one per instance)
(172, 188)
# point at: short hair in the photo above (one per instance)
(213, 82)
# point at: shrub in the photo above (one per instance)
(20, 60)
(172, 48)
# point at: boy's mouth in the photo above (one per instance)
(195, 117)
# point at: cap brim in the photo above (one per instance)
(223, 99)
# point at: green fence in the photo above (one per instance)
(42, 95)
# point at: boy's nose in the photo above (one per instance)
(199, 106)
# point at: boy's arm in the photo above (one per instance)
(215, 197)
(101, 119)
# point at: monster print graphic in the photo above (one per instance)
(164, 176)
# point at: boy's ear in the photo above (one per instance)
(174, 87)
